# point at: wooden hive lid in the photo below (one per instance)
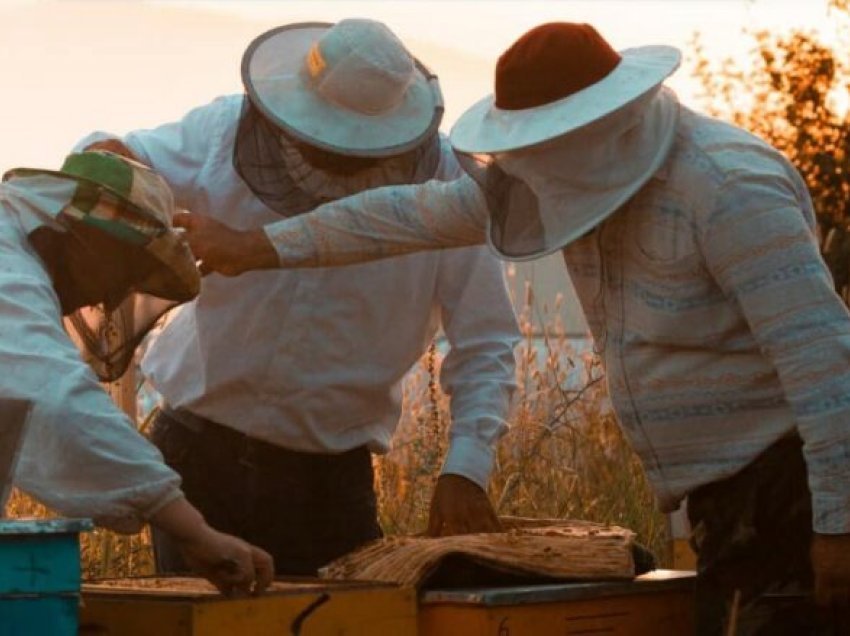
(544, 549)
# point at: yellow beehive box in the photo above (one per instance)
(172, 606)
(657, 603)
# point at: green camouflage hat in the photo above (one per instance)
(133, 204)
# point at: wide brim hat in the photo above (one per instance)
(571, 133)
(350, 88)
(134, 205)
(499, 123)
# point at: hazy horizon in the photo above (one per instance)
(75, 66)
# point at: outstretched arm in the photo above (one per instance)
(371, 225)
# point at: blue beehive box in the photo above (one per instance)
(40, 576)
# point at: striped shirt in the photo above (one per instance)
(707, 295)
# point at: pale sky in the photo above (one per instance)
(70, 66)
(73, 66)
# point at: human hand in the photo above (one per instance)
(224, 250)
(113, 145)
(831, 566)
(234, 566)
(460, 506)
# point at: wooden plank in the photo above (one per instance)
(644, 615)
(660, 602)
(188, 607)
(379, 612)
(115, 616)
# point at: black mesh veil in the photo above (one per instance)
(516, 226)
(109, 323)
(108, 339)
(258, 160)
(102, 229)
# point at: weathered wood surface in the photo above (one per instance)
(548, 549)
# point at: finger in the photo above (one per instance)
(264, 570)
(435, 520)
(184, 220)
(113, 145)
(450, 528)
(239, 586)
(462, 523)
(484, 525)
(231, 590)
(236, 573)
(225, 587)
(492, 519)
(229, 567)
(471, 525)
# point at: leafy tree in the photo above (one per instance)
(794, 92)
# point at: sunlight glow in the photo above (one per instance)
(76, 66)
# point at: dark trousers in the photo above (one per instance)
(752, 533)
(305, 509)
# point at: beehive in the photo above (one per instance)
(543, 550)
(171, 606)
(40, 576)
(657, 603)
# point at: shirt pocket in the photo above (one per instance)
(662, 240)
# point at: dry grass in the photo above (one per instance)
(564, 457)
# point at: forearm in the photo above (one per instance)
(382, 223)
(180, 519)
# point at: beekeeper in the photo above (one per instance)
(691, 246)
(279, 387)
(92, 243)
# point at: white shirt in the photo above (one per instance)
(81, 455)
(312, 360)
